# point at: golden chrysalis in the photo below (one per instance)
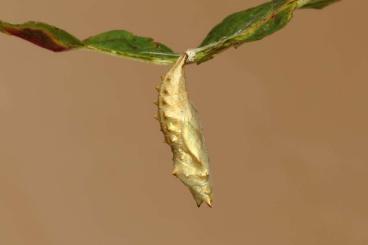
(179, 122)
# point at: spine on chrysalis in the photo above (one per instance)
(180, 125)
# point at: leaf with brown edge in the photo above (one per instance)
(118, 43)
(43, 35)
(250, 25)
(244, 26)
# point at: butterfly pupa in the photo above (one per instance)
(182, 131)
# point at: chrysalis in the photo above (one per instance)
(180, 125)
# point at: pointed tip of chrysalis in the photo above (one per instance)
(208, 201)
(199, 203)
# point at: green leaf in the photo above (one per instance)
(318, 4)
(245, 26)
(43, 35)
(249, 25)
(124, 43)
(120, 43)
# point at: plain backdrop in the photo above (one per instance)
(82, 161)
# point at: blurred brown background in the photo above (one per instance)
(82, 161)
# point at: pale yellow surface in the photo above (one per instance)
(180, 124)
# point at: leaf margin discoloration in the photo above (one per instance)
(43, 35)
(57, 40)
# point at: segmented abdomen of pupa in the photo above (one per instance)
(180, 125)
